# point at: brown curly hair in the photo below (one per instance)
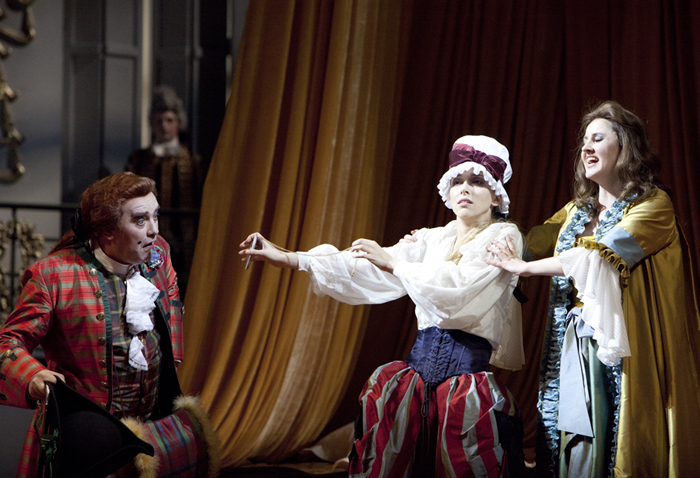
(637, 166)
(101, 207)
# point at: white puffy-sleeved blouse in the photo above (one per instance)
(471, 296)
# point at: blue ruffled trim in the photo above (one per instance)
(612, 217)
(548, 398)
(614, 375)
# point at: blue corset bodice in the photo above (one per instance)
(439, 354)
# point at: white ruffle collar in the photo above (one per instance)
(170, 148)
(141, 298)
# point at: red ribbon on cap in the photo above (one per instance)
(493, 164)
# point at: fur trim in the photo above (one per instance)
(146, 465)
(192, 404)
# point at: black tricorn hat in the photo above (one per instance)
(79, 439)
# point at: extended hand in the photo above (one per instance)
(508, 257)
(370, 250)
(264, 251)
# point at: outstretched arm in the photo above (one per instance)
(361, 249)
(509, 261)
(264, 251)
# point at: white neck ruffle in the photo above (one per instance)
(170, 148)
(141, 298)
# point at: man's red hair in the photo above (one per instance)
(101, 206)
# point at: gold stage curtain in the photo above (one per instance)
(303, 157)
(340, 120)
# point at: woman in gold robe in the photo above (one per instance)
(619, 392)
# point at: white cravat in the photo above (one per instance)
(141, 298)
(170, 148)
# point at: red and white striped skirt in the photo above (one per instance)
(464, 409)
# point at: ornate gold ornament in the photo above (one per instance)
(31, 247)
(11, 137)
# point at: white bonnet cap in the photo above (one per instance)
(485, 156)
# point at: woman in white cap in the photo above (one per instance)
(619, 393)
(439, 413)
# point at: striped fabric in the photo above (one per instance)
(468, 439)
(179, 445)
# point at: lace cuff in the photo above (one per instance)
(598, 284)
(608, 255)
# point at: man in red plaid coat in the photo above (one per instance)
(105, 307)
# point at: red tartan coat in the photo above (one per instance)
(64, 307)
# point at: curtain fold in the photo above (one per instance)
(303, 158)
(339, 124)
